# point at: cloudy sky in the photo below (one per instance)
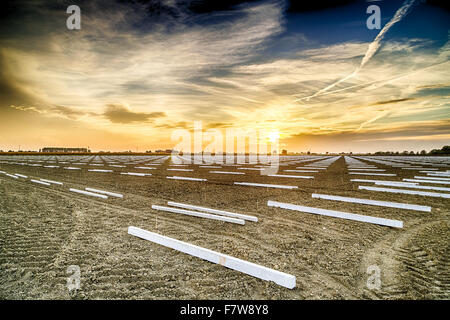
(137, 70)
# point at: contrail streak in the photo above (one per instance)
(383, 81)
(373, 46)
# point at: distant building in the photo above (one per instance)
(65, 150)
(284, 152)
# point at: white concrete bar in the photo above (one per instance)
(289, 176)
(360, 169)
(112, 194)
(87, 193)
(255, 270)
(304, 171)
(338, 214)
(386, 181)
(265, 185)
(374, 202)
(227, 172)
(421, 187)
(427, 181)
(374, 174)
(220, 212)
(439, 174)
(412, 192)
(40, 182)
(432, 178)
(198, 214)
(51, 181)
(395, 184)
(136, 174)
(186, 178)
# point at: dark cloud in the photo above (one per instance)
(117, 113)
(216, 125)
(434, 90)
(304, 6)
(378, 103)
(177, 8)
(440, 3)
(11, 91)
(174, 125)
(208, 6)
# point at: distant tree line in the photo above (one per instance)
(435, 152)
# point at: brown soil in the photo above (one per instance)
(43, 230)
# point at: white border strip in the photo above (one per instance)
(374, 202)
(255, 270)
(338, 214)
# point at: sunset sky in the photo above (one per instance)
(137, 70)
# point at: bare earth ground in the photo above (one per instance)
(43, 230)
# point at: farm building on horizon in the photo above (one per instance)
(65, 150)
